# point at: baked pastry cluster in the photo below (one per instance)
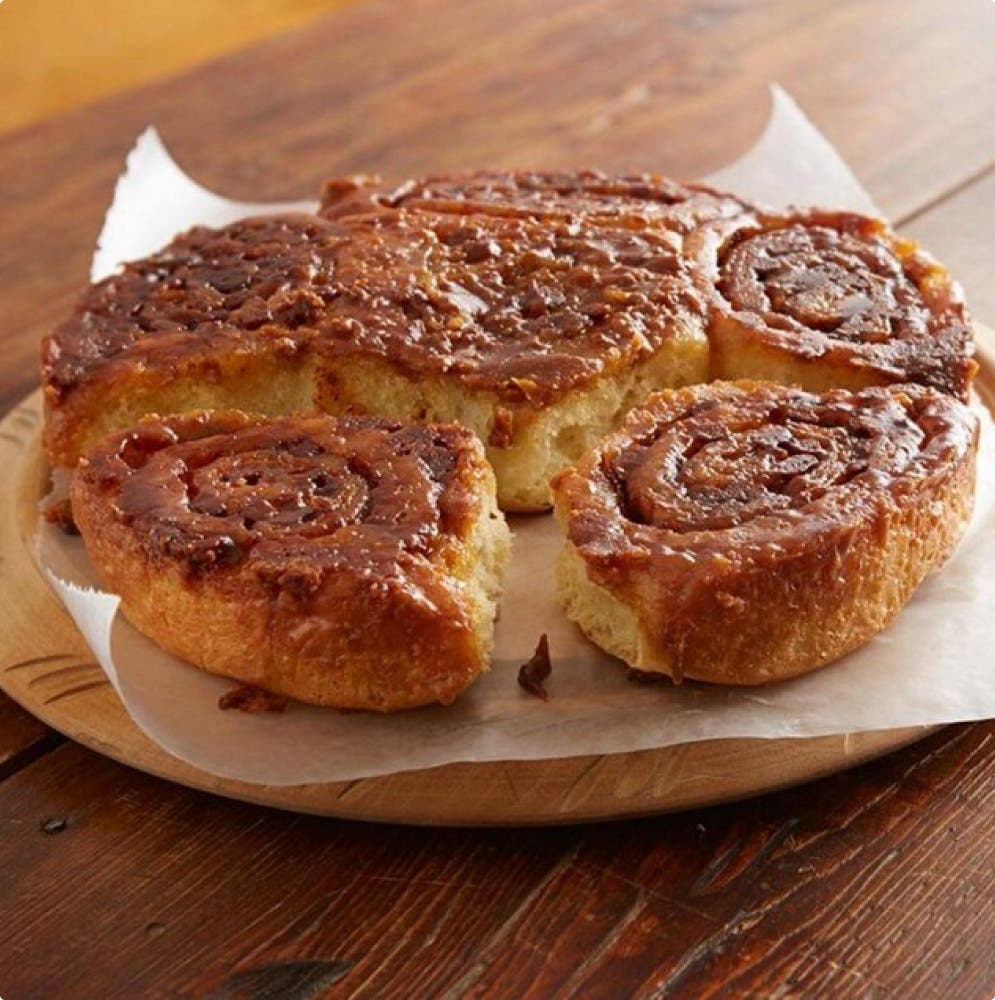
(347, 562)
(536, 310)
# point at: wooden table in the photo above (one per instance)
(878, 882)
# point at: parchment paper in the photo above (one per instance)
(933, 665)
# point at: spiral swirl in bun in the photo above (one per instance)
(534, 307)
(350, 562)
(630, 200)
(828, 300)
(746, 532)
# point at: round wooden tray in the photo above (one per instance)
(47, 668)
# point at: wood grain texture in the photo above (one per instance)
(62, 53)
(905, 87)
(958, 230)
(47, 668)
(874, 883)
(23, 738)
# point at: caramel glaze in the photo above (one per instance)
(526, 309)
(830, 283)
(522, 308)
(291, 500)
(725, 481)
(268, 278)
(634, 200)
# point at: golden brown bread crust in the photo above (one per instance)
(742, 533)
(351, 563)
(219, 318)
(830, 300)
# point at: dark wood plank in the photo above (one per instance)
(873, 883)
(869, 884)
(959, 230)
(876, 882)
(905, 87)
(22, 737)
(145, 888)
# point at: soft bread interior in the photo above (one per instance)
(258, 383)
(545, 440)
(479, 571)
(562, 433)
(604, 619)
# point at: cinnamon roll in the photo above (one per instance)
(741, 533)
(349, 562)
(537, 334)
(219, 318)
(831, 300)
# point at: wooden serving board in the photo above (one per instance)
(47, 668)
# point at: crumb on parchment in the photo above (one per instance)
(532, 674)
(247, 698)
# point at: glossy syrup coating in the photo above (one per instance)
(259, 279)
(290, 500)
(633, 200)
(347, 562)
(523, 308)
(757, 531)
(837, 293)
(493, 291)
(739, 466)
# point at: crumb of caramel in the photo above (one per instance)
(532, 674)
(502, 429)
(61, 515)
(247, 698)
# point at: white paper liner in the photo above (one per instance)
(793, 163)
(933, 665)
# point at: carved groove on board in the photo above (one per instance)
(26, 415)
(79, 689)
(52, 676)
(35, 661)
(61, 673)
